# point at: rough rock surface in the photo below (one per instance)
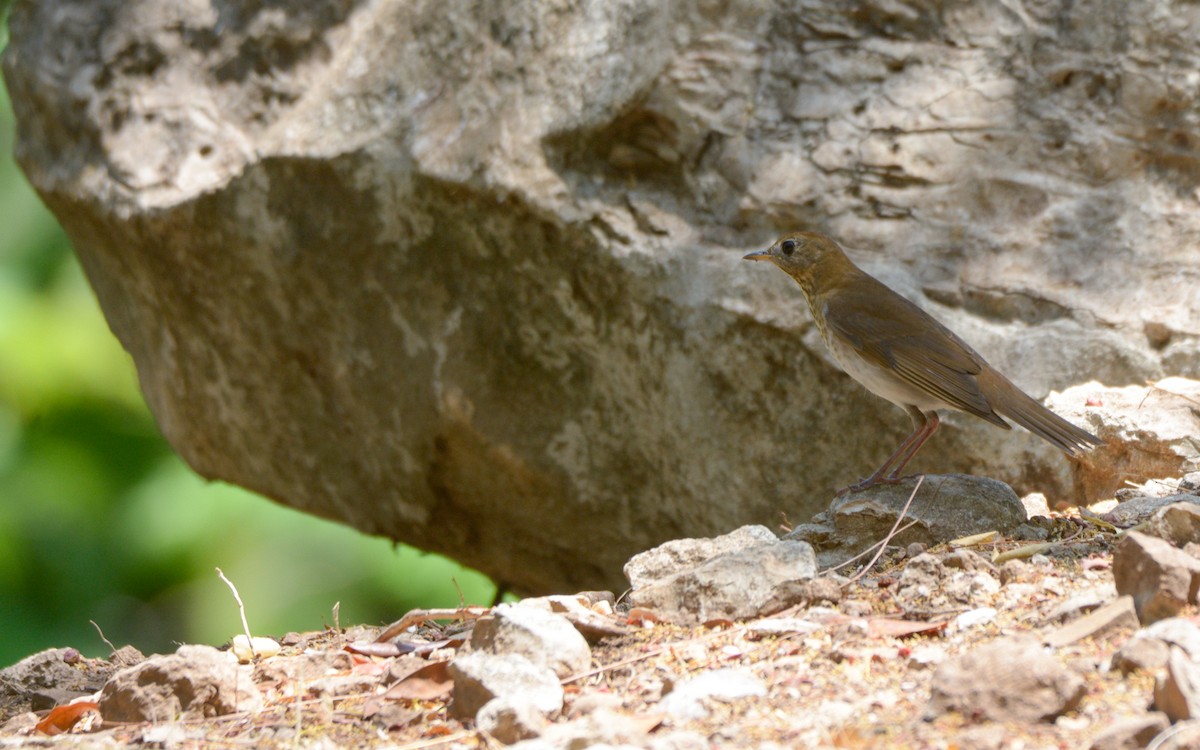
(481, 678)
(195, 681)
(546, 639)
(1177, 692)
(759, 580)
(1162, 579)
(678, 555)
(1020, 682)
(945, 507)
(1149, 431)
(1178, 523)
(468, 276)
(1131, 733)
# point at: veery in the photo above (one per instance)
(899, 352)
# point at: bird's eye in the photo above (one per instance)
(788, 247)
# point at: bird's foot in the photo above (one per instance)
(871, 481)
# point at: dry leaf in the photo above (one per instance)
(1020, 553)
(427, 682)
(63, 718)
(367, 648)
(642, 616)
(892, 628)
(974, 540)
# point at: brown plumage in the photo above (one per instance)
(899, 352)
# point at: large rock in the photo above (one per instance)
(468, 275)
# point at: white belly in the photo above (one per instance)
(892, 388)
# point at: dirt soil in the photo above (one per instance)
(855, 673)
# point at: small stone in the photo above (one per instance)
(987, 737)
(758, 580)
(1035, 504)
(679, 555)
(915, 549)
(1177, 693)
(1079, 604)
(590, 612)
(680, 740)
(1161, 578)
(945, 507)
(1141, 654)
(480, 678)
(601, 728)
(510, 721)
(53, 668)
(1131, 732)
(594, 700)
(1149, 647)
(925, 657)
(965, 559)
(1178, 523)
(1028, 532)
(1136, 510)
(195, 681)
(1013, 571)
(975, 617)
(1012, 679)
(1112, 616)
(686, 701)
(546, 639)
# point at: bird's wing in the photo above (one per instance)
(880, 326)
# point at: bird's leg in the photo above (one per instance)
(924, 425)
(929, 424)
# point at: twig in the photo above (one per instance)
(418, 616)
(241, 611)
(891, 534)
(337, 611)
(438, 741)
(867, 551)
(101, 632)
(1153, 384)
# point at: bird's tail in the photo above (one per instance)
(1010, 401)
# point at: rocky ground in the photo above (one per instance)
(1073, 629)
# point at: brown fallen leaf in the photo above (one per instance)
(427, 682)
(62, 718)
(368, 648)
(891, 628)
(641, 616)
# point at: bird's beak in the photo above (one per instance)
(758, 255)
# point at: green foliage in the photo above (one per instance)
(100, 521)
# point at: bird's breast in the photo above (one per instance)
(883, 382)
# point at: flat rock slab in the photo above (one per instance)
(945, 507)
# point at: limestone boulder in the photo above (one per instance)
(468, 275)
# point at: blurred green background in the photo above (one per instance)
(99, 520)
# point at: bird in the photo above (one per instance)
(901, 353)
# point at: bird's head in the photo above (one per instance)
(815, 261)
(799, 253)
